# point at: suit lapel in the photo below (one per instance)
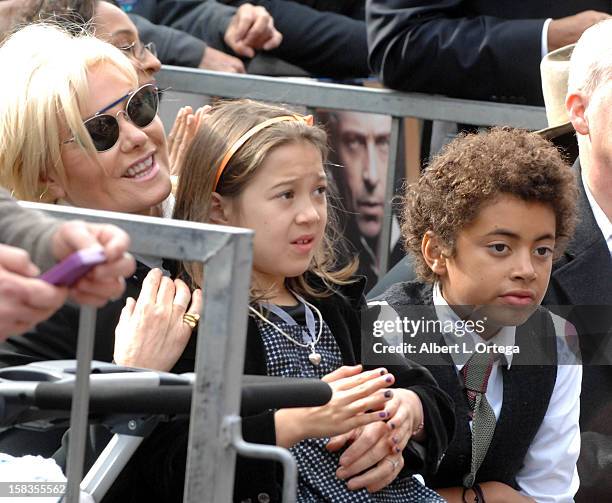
(584, 274)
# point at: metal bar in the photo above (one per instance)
(280, 454)
(219, 363)
(343, 97)
(174, 239)
(80, 404)
(109, 465)
(221, 339)
(384, 243)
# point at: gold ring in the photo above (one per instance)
(191, 319)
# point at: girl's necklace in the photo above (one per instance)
(314, 357)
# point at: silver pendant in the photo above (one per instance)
(315, 358)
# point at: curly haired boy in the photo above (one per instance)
(483, 224)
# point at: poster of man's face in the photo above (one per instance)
(360, 151)
(362, 146)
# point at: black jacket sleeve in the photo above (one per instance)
(325, 44)
(438, 408)
(440, 47)
(206, 20)
(174, 47)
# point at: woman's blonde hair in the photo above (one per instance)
(42, 92)
(222, 127)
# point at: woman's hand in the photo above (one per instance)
(378, 447)
(357, 399)
(151, 332)
(181, 135)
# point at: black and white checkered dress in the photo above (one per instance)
(316, 466)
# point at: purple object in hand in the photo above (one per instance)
(74, 267)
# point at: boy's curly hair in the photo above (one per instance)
(475, 169)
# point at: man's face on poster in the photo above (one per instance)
(363, 150)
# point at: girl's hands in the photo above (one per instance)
(378, 447)
(406, 418)
(181, 135)
(151, 332)
(357, 399)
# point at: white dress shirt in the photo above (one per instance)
(549, 471)
(544, 39)
(603, 222)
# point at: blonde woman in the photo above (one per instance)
(77, 128)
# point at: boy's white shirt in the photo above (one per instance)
(549, 472)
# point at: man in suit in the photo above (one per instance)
(213, 31)
(582, 277)
(327, 44)
(474, 49)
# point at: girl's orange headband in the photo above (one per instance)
(306, 119)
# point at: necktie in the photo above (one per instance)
(475, 375)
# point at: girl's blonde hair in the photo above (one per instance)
(42, 92)
(221, 128)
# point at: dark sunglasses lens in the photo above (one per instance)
(104, 131)
(142, 106)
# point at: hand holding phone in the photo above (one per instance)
(74, 267)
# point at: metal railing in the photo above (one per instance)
(227, 255)
(313, 94)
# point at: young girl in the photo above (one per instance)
(262, 167)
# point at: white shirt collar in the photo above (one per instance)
(505, 337)
(602, 220)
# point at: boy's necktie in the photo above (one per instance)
(475, 375)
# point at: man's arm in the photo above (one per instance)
(28, 230)
(433, 47)
(206, 20)
(174, 47)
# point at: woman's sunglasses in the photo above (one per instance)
(140, 109)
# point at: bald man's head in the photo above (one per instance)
(591, 61)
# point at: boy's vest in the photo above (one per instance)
(526, 393)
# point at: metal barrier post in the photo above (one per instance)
(314, 94)
(221, 340)
(80, 404)
(219, 364)
(384, 242)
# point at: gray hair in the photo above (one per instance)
(591, 61)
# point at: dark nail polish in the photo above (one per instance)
(398, 450)
(389, 379)
(382, 414)
(388, 393)
(383, 372)
(392, 425)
